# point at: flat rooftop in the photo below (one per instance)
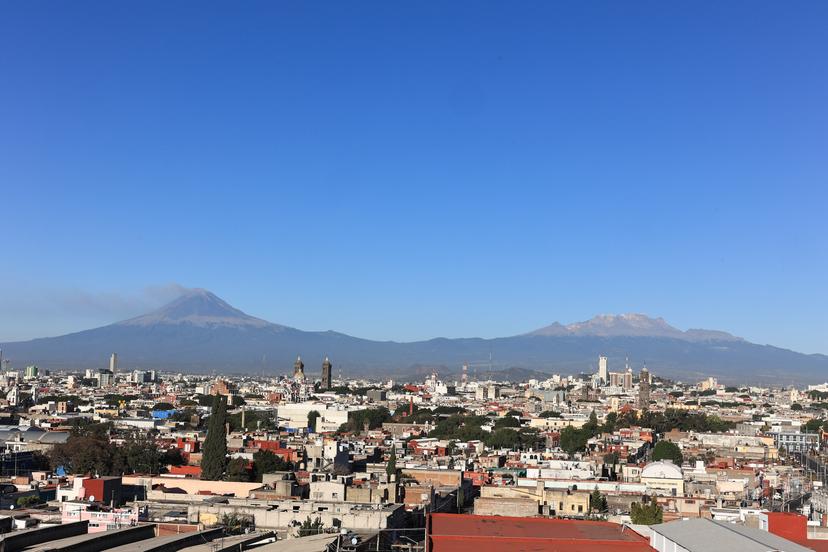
(453, 532)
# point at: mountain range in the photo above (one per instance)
(199, 332)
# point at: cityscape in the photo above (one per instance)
(413, 277)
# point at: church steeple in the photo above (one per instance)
(327, 371)
(299, 369)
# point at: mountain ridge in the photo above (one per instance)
(630, 324)
(199, 332)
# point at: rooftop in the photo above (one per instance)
(449, 532)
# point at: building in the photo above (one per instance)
(299, 370)
(31, 372)
(628, 379)
(707, 535)
(602, 369)
(105, 378)
(113, 363)
(663, 478)
(644, 389)
(376, 395)
(796, 442)
(460, 533)
(327, 373)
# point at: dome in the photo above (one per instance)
(662, 469)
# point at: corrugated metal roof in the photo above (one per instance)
(706, 535)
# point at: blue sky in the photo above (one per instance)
(407, 170)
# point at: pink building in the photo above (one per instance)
(99, 517)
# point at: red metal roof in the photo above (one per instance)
(455, 532)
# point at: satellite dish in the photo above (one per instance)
(92, 498)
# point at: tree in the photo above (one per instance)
(26, 501)
(796, 406)
(265, 461)
(597, 501)
(237, 470)
(172, 457)
(592, 424)
(503, 438)
(82, 454)
(665, 450)
(507, 421)
(310, 527)
(813, 425)
(609, 422)
(214, 458)
(573, 440)
(235, 524)
(648, 513)
(163, 406)
(313, 415)
(141, 456)
(612, 458)
(391, 466)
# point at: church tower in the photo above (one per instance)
(299, 369)
(327, 370)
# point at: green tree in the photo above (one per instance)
(665, 450)
(813, 425)
(391, 466)
(503, 438)
(237, 470)
(612, 458)
(507, 421)
(597, 501)
(26, 501)
(648, 513)
(235, 524)
(609, 422)
(163, 406)
(141, 455)
(573, 440)
(796, 406)
(313, 415)
(214, 457)
(84, 454)
(310, 527)
(265, 461)
(592, 424)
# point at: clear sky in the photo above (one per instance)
(403, 170)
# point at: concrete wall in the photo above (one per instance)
(194, 486)
(22, 539)
(283, 514)
(518, 507)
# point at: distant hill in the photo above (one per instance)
(198, 332)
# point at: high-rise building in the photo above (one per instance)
(628, 379)
(327, 370)
(105, 378)
(113, 363)
(31, 372)
(602, 369)
(644, 389)
(299, 369)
